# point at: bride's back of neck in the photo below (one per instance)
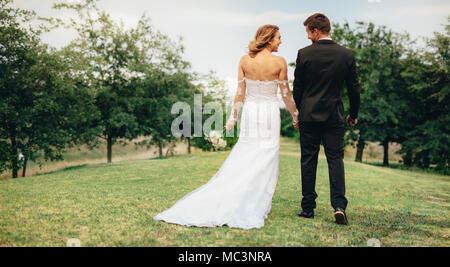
(263, 66)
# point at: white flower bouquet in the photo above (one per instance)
(215, 137)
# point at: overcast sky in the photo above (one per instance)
(216, 32)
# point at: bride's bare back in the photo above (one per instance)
(262, 67)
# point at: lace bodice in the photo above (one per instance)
(261, 90)
(254, 90)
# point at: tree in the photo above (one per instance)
(427, 77)
(378, 53)
(38, 117)
(159, 91)
(132, 73)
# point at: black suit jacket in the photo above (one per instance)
(320, 73)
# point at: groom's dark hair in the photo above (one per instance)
(318, 21)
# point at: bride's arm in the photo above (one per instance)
(286, 93)
(238, 99)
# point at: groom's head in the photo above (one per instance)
(317, 26)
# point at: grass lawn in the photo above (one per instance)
(113, 205)
(82, 155)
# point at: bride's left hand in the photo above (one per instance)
(230, 125)
(296, 124)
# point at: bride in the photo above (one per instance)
(240, 194)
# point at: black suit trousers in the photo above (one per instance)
(331, 134)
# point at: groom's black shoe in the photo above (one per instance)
(308, 215)
(341, 217)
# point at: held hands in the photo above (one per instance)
(296, 124)
(350, 121)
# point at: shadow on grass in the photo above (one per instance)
(165, 157)
(77, 167)
(74, 167)
(400, 166)
(187, 155)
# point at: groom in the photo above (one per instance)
(321, 71)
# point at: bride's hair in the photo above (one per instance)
(263, 36)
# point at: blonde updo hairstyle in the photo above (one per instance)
(263, 36)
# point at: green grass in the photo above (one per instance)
(113, 205)
(82, 155)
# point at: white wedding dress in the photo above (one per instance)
(240, 194)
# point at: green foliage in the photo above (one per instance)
(404, 92)
(206, 145)
(158, 92)
(43, 109)
(428, 81)
(110, 82)
(378, 53)
(4, 155)
(287, 129)
(136, 74)
(212, 90)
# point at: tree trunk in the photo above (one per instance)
(170, 148)
(25, 160)
(407, 159)
(160, 149)
(386, 153)
(359, 150)
(426, 163)
(189, 145)
(14, 161)
(109, 144)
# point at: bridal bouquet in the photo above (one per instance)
(215, 137)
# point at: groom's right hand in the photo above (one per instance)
(351, 122)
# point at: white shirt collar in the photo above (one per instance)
(325, 39)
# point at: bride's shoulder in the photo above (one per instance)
(244, 58)
(280, 60)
